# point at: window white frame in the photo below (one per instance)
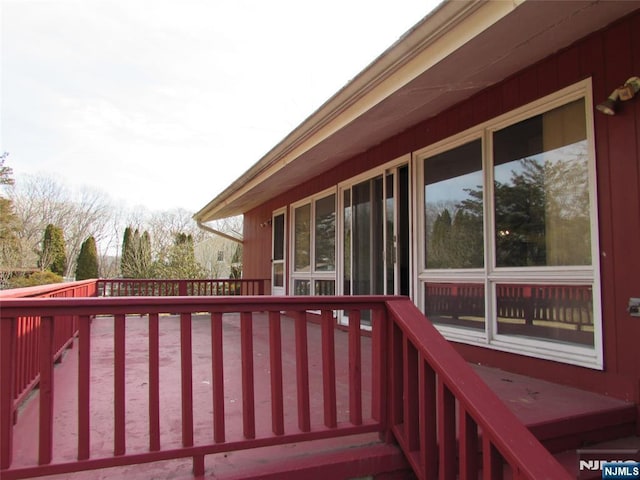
(312, 275)
(490, 275)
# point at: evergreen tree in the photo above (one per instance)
(87, 266)
(136, 254)
(125, 259)
(145, 255)
(180, 261)
(52, 255)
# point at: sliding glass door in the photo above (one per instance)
(376, 235)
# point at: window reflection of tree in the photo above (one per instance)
(542, 212)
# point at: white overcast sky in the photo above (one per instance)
(164, 103)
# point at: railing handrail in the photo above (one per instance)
(42, 290)
(513, 440)
(178, 304)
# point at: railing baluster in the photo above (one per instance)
(275, 359)
(428, 422)
(379, 379)
(329, 370)
(186, 379)
(491, 460)
(302, 371)
(446, 431)
(154, 382)
(468, 441)
(395, 375)
(355, 369)
(84, 371)
(8, 340)
(217, 368)
(119, 401)
(248, 401)
(22, 355)
(45, 444)
(410, 389)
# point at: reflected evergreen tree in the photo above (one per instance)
(466, 246)
(438, 251)
(325, 242)
(542, 214)
(520, 217)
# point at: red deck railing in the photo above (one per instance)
(26, 373)
(422, 391)
(26, 350)
(129, 287)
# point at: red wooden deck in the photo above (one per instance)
(553, 412)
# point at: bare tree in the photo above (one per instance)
(39, 201)
(164, 226)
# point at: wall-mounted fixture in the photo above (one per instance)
(624, 93)
(266, 223)
(634, 307)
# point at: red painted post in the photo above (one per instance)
(8, 329)
(491, 460)
(186, 378)
(447, 431)
(329, 370)
(248, 402)
(218, 377)
(84, 370)
(468, 441)
(395, 375)
(379, 372)
(410, 389)
(25, 366)
(198, 466)
(45, 444)
(275, 359)
(302, 371)
(428, 422)
(119, 401)
(154, 382)
(355, 369)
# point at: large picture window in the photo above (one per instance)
(453, 208)
(314, 246)
(509, 255)
(541, 190)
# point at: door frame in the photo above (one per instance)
(279, 290)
